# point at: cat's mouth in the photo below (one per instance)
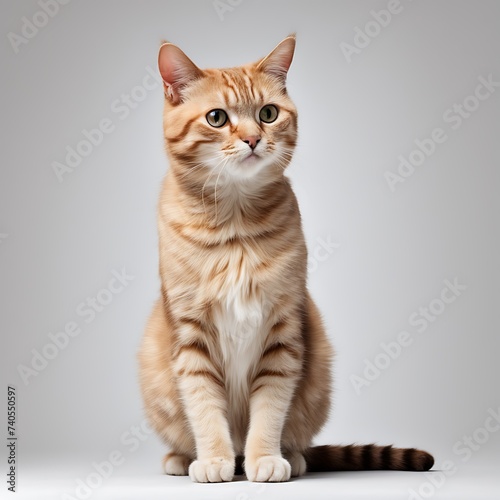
(251, 157)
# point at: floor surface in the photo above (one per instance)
(67, 481)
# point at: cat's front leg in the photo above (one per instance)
(203, 393)
(271, 392)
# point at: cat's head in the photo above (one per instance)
(234, 124)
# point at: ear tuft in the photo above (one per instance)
(177, 71)
(277, 62)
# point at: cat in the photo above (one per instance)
(235, 363)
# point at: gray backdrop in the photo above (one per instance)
(397, 178)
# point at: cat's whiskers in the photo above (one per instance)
(197, 165)
(191, 170)
(215, 190)
(283, 159)
(206, 181)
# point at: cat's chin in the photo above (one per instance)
(250, 166)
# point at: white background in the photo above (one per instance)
(61, 241)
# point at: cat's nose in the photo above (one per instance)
(252, 140)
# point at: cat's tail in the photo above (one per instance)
(366, 457)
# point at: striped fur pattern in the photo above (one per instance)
(235, 362)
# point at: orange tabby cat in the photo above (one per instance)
(235, 361)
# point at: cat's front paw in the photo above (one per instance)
(268, 468)
(212, 470)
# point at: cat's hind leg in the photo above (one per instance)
(175, 464)
(297, 462)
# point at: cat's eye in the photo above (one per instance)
(217, 117)
(268, 113)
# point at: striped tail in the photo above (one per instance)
(366, 457)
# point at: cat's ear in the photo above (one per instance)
(279, 60)
(177, 71)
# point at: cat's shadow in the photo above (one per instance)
(241, 478)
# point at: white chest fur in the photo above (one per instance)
(240, 319)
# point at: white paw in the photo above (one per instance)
(270, 468)
(212, 470)
(176, 465)
(297, 462)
